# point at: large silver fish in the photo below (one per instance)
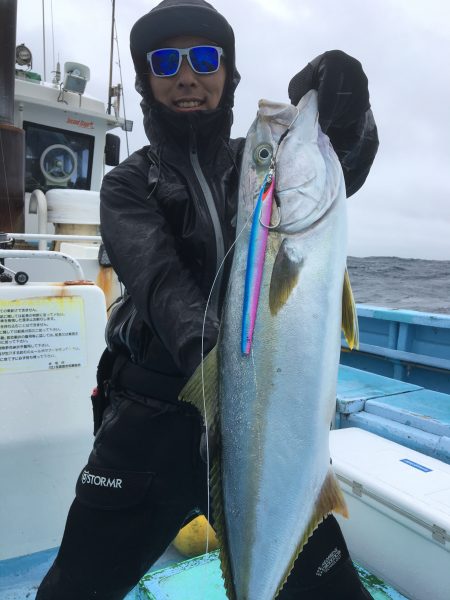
(272, 483)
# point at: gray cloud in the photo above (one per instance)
(404, 207)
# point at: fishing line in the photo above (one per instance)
(53, 35)
(43, 39)
(267, 184)
(283, 135)
(271, 175)
(249, 219)
(121, 83)
(202, 369)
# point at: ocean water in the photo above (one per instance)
(392, 282)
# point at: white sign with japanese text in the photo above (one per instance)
(38, 334)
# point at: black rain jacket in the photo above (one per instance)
(168, 219)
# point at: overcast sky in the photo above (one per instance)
(404, 45)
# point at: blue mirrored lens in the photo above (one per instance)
(165, 61)
(204, 59)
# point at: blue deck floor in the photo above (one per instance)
(20, 577)
(170, 579)
(200, 579)
(399, 411)
(415, 416)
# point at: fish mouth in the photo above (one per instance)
(186, 104)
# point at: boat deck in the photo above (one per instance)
(406, 399)
(403, 344)
(21, 576)
(400, 411)
(170, 579)
(397, 410)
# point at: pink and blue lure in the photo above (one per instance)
(255, 260)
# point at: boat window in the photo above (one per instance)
(57, 158)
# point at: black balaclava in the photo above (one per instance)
(169, 19)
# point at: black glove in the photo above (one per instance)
(343, 93)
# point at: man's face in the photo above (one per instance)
(187, 90)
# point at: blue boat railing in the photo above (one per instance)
(406, 345)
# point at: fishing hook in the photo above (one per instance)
(267, 183)
(270, 227)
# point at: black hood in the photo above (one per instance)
(169, 19)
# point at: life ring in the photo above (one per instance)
(58, 163)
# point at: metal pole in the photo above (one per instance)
(111, 55)
(43, 38)
(30, 237)
(7, 254)
(12, 139)
(8, 17)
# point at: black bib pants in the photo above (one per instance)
(143, 478)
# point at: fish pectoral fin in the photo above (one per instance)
(202, 389)
(285, 276)
(349, 315)
(330, 499)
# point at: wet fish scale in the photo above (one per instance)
(274, 483)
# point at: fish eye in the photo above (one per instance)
(263, 154)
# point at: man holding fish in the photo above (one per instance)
(171, 214)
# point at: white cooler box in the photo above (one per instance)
(399, 505)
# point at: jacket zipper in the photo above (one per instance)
(220, 246)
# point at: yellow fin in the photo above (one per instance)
(205, 380)
(202, 389)
(349, 315)
(220, 527)
(330, 499)
(285, 276)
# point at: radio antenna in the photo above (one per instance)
(43, 38)
(111, 56)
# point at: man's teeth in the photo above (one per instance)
(188, 103)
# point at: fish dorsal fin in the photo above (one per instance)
(285, 276)
(330, 499)
(349, 315)
(202, 391)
